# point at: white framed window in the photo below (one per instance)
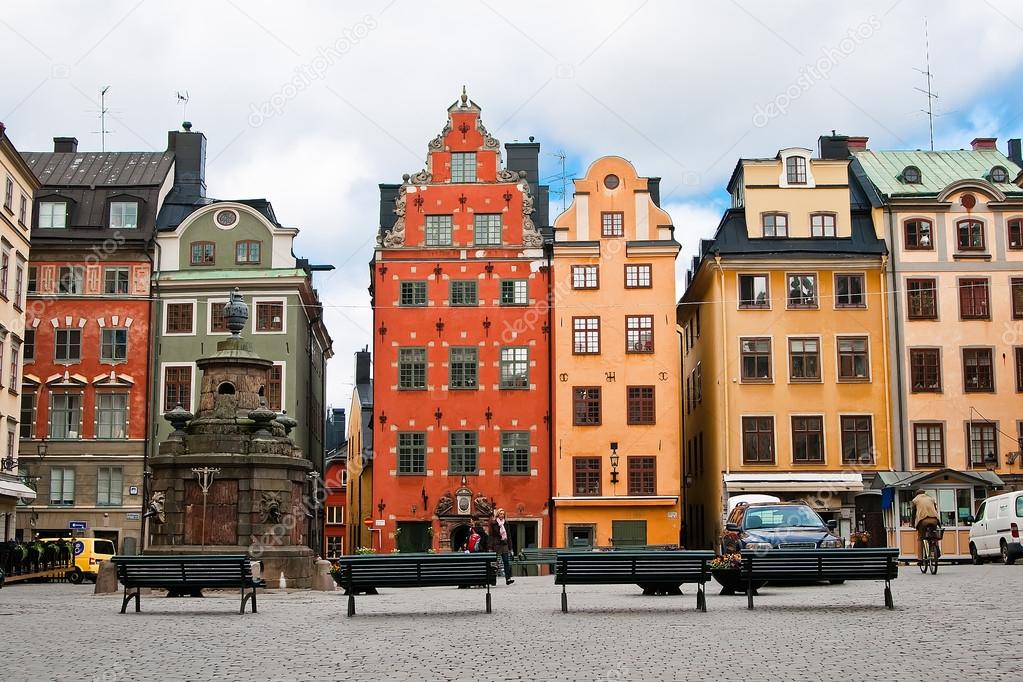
(335, 514)
(109, 486)
(53, 214)
(124, 215)
(71, 280)
(62, 486)
(179, 317)
(215, 322)
(177, 384)
(487, 229)
(113, 345)
(269, 316)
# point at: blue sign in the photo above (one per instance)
(79, 547)
(77, 525)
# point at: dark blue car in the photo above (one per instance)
(777, 526)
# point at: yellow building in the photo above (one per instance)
(954, 225)
(19, 184)
(616, 385)
(785, 348)
(359, 505)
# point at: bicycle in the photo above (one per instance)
(932, 550)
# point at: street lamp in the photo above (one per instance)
(8, 463)
(614, 462)
(42, 448)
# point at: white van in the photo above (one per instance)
(995, 530)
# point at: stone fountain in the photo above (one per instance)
(229, 479)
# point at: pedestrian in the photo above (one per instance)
(500, 540)
(483, 544)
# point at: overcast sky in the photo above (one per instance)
(312, 104)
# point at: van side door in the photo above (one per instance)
(979, 532)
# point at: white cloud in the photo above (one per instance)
(672, 86)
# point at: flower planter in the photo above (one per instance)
(731, 583)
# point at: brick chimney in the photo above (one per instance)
(66, 145)
(1015, 152)
(984, 143)
(858, 144)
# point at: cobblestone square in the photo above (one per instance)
(962, 623)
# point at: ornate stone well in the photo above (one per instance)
(229, 479)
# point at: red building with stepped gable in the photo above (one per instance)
(460, 351)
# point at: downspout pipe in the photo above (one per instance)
(152, 253)
(549, 254)
(896, 324)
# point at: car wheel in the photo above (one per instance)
(977, 559)
(75, 577)
(1006, 559)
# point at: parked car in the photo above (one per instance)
(89, 553)
(771, 525)
(995, 530)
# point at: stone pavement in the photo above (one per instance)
(964, 622)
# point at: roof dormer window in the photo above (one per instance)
(911, 175)
(124, 215)
(795, 170)
(999, 175)
(53, 214)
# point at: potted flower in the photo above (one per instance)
(860, 538)
(726, 571)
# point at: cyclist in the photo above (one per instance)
(926, 520)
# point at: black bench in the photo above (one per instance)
(810, 565)
(186, 574)
(640, 567)
(369, 571)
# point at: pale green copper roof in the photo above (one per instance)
(938, 170)
(197, 274)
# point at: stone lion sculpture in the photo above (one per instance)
(156, 507)
(270, 506)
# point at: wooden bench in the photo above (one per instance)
(365, 571)
(810, 565)
(641, 567)
(186, 574)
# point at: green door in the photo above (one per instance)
(628, 533)
(413, 536)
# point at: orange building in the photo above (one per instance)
(617, 459)
(460, 373)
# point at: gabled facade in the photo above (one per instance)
(784, 348)
(460, 286)
(616, 394)
(16, 212)
(88, 339)
(954, 224)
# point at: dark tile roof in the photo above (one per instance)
(732, 239)
(89, 169)
(173, 213)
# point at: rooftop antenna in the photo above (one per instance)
(103, 118)
(562, 178)
(183, 101)
(930, 94)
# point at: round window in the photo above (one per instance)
(226, 218)
(611, 181)
(999, 175)
(968, 201)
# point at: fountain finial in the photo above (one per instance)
(236, 313)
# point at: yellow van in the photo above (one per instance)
(89, 552)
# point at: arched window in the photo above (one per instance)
(1016, 233)
(795, 170)
(226, 388)
(970, 235)
(822, 225)
(775, 224)
(911, 175)
(918, 234)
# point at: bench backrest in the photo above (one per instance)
(418, 570)
(821, 564)
(228, 570)
(626, 565)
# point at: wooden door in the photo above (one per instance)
(870, 518)
(221, 513)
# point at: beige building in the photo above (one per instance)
(19, 184)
